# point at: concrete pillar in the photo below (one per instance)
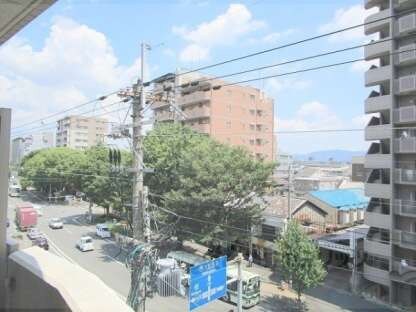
(5, 114)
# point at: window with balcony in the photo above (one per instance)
(376, 262)
(379, 235)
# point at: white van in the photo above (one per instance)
(85, 243)
(102, 231)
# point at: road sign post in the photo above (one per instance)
(208, 282)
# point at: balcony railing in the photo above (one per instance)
(404, 114)
(404, 145)
(377, 75)
(377, 21)
(405, 176)
(405, 24)
(405, 207)
(194, 98)
(405, 85)
(406, 55)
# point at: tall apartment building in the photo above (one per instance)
(81, 132)
(390, 246)
(237, 115)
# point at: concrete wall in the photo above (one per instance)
(27, 291)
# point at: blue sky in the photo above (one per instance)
(79, 49)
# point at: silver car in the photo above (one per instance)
(56, 223)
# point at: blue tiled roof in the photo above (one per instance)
(343, 199)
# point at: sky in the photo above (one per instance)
(80, 49)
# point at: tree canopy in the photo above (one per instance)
(299, 259)
(200, 178)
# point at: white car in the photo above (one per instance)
(38, 209)
(102, 231)
(56, 223)
(85, 243)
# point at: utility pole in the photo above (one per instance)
(240, 283)
(138, 105)
(289, 180)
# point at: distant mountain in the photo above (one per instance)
(336, 155)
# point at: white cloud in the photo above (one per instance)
(225, 29)
(311, 116)
(347, 17)
(76, 63)
(272, 38)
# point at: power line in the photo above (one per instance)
(295, 60)
(51, 125)
(101, 98)
(295, 43)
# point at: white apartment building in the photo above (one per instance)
(81, 132)
(390, 246)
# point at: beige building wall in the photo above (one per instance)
(237, 115)
(81, 132)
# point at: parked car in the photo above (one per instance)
(85, 243)
(102, 231)
(33, 233)
(38, 209)
(41, 242)
(56, 223)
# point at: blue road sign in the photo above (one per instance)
(208, 282)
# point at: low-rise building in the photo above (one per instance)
(332, 208)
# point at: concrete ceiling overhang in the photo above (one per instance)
(16, 14)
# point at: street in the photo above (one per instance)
(107, 262)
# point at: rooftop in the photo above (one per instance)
(342, 199)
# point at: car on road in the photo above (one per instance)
(56, 223)
(102, 231)
(41, 242)
(38, 209)
(85, 243)
(33, 233)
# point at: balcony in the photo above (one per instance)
(405, 25)
(377, 75)
(376, 103)
(373, 3)
(377, 49)
(376, 275)
(404, 114)
(378, 184)
(160, 104)
(405, 176)
(194, 98)
(405, 239)
(377, 22)
(400, 5)
(404, 271)
(404, 145)
(405, 85)
(377, 157)
(377, 129)
(164, 116)
(407, 55)
(404, 207)
(197, 113)
(376, 247)
(377, 219)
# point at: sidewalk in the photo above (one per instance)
(321, 299)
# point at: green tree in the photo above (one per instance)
(298, 259)
(200, 178)
(53, 169)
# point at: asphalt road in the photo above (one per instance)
(107, 262)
